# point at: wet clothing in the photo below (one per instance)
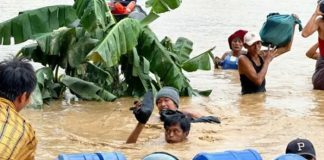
(17, 138)
(321, 46)
(247, 85)
(230, 62)
(318, 76)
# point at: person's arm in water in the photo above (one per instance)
(312, 24)
(218, 61)
(312, 52)
(246, 67)
(132, 138)
(191, 114)
(142, 112)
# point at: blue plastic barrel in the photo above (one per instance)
(248, 154)
(290, 157)
(93, 156)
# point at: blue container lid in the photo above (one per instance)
(290, 157)
(93, 156)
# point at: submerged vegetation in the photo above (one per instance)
(102, 58)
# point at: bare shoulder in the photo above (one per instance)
(242, 58)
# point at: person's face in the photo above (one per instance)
(255, 47)
(166, 103)
(175, 134)
(22, 101)
(236, 44)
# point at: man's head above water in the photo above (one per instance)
(167, 98)
(177, 128)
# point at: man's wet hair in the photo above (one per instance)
(16, 77)
(181, 119)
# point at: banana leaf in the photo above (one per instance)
(120, 40)
(51, 42)
(149, 18)
(34, 52)
(32, 22)
(201, 61)
(180, 51)
(98, 75)
(183, 48)
(48, 88)
(93, 14)
(86, 90)
(161, 6)
(66, 47)
(161, 62)
(78, 51)
(51, 48)
(36, 99)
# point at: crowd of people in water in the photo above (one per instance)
(18, 80)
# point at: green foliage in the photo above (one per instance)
(32, 22)
(93, 14)
(161, 6)
(121, 39)
(102, 59)
(199, 62)
(87, 90)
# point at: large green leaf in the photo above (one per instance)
(52, 47)
(86, 90)
(34, 52)
(180, 51)
(161, 62)
(201, 61)
(50, 43)
(183, 48)
(121, 39)
(32, 22)
(93, 14)
(66, 47)
(98, 75)
(36, 98)
(48, 88)
(161, 6)
(78, 51)
(149, 18)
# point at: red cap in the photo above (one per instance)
(238, 34)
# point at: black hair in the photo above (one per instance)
(180, 119)
(16, 77)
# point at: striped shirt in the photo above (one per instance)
(17, 137)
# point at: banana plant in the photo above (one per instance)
(102, 59)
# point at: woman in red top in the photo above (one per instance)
(316, 23)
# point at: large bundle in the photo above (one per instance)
(278, 29)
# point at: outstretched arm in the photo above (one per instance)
(132, 138)
(312, 24)
(312, 52)
(142, 112)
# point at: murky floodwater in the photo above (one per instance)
(266, 122)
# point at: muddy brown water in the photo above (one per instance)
(265, 122)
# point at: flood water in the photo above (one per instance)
(265, 122)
